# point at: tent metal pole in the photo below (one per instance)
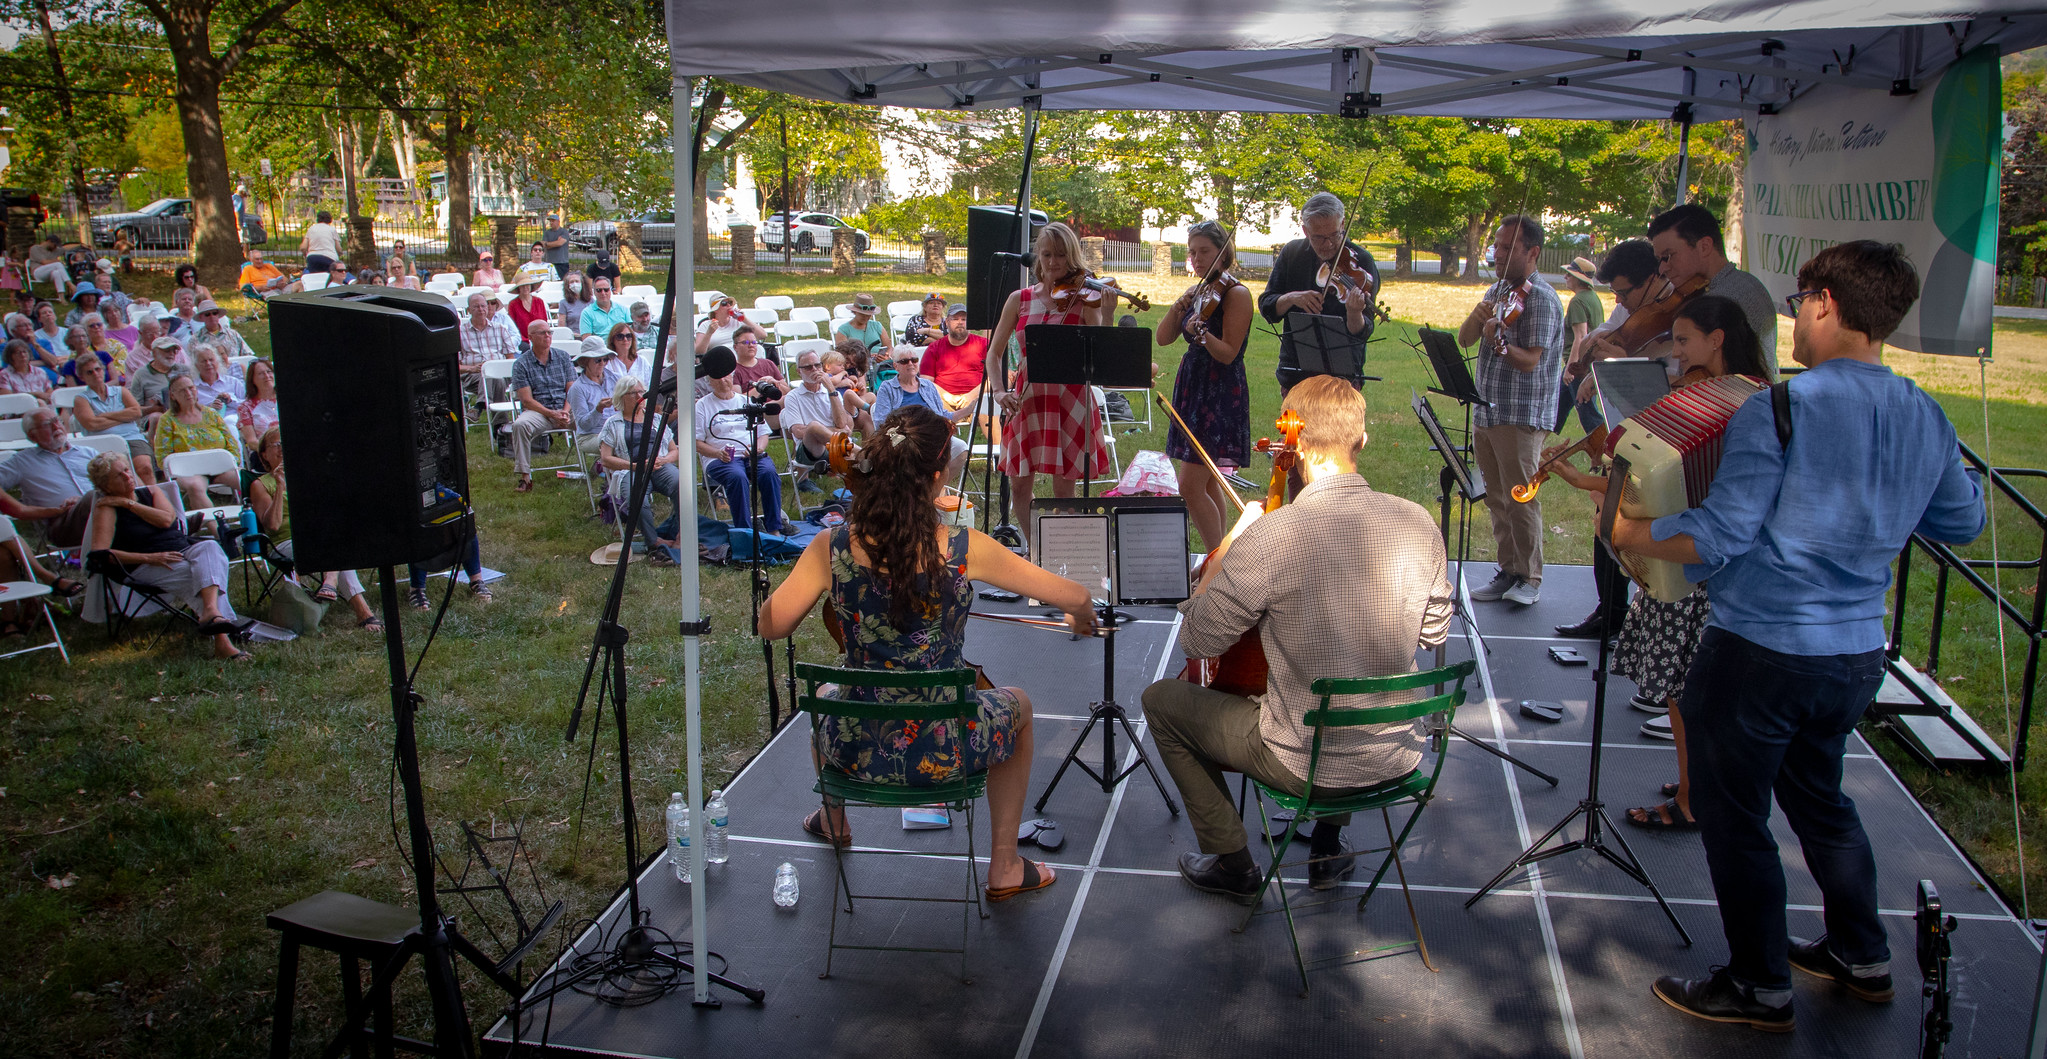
(684, 309)
(1023, 238)
(1683, 114)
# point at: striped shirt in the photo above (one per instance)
(1342, 581)
(1524, 398)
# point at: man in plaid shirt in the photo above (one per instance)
(1520, 366)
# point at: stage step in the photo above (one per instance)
(1930, 724)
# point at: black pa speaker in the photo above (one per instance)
(989, 279)
(369, 403)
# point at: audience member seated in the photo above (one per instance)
(52, 478)
(749, 367)
(183, 322)
(78, 347)
(863, 328)
(139, 526)
(46, 263)
(909, 388)
(399, 270)
(85, 300)
(19, 373)
(526, 308)
(188, 426)
(811, 414)
(121, 325)
(624, 348)
(603, 312)
(902, 585)
(486, 335)
(603, 267)
(215, 331)
(487, 274)
(619, 446)
(723, 325)
(258, 410)
(575, 298)
(927, 327)
(845, 368)
(721, 443)
(956, 363)
(260, 279)
(49, 336)
(151, 384)
(590, 394)
(219, 389)
(108, 409)
(472, 564)
(147, 331)
(540, 383)
(186, 277)
(645, 334)
(265, 491)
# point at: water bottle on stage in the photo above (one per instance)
(678, 835)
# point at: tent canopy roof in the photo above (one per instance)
(1462, 58)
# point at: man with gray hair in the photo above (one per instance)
(51, 478)
(1299, 284)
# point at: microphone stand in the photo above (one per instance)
(756, 414)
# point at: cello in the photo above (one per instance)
(1242, 668)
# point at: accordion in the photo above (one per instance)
(1665, 457)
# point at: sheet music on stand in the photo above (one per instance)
(1323, 345)
(1126, 549)
(1453, 376)
(1627, 385)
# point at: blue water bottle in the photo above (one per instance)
(249, 530)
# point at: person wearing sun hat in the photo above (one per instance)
(526, 305)
(487, 274)
(590, 393)
(863, 327)
(1583, 315)
(921, 330)
(85, 300)
(215, 331)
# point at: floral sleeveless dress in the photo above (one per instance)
(910, 753)
(1215, 400)
(1047, 432)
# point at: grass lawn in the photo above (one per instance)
(156, 804)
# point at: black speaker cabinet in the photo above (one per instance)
(369, 403)
(989, 280)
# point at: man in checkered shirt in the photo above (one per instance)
(1343, 581)
(1520, 366)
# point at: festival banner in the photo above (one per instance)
(1919, 170)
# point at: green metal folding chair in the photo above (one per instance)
(953, 702)
(1414, 789)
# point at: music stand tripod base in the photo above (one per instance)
(1110, 715)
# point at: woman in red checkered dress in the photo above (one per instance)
(1047, 424)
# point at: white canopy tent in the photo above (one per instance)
(1583, 59)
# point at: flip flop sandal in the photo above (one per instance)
(216, 627)
(1664, 817)
(814, 826)
(1036, 877)
(1669, 790)
(371, 624)
(68, 588)
(326, 594)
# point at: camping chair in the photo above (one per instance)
(957, 706)
(1415, 789)
(31, 591)
(113, 597)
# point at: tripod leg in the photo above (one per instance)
(1503, 755)
(1633, 867)
(1533, 853)
(1072, 754)
(1144, 759)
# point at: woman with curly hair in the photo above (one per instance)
(901, 585)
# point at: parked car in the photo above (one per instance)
(657, 232)
(165, 223)
(812, 230)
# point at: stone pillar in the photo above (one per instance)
(934, 253)
(742, 249)
(845, 254)
(362, 243)
(628, 252)
(1162, 259)
(1091, 252)
(504, 242)
(21, 231)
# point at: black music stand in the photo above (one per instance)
(1470, 486)
(1128, 585)
(1453, 375)
(1591, 807)
(1323, 345)
(1079, 355)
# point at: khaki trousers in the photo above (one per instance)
(1508, 455)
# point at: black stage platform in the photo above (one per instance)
(1120, 958)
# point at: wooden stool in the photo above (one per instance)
(356, 929)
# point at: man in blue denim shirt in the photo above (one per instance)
(1796, 542)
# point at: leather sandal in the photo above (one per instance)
(815, 826)
(1036, 877)
(1669, 790)
(1665, 817)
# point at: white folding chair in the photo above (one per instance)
(896, 325)
(64, 398)
(18, 404)
(240, 365)
(787, 330)
(762, 317)
(462, 294)
(781, 303)
(505, 404)
(22, 592)
(639, 292)
(1108, 438)
(315, 280)
(13, 435)
(565, 340)
(842, 311)
(102, 443)
(984, 448)
(816, 314)
(445, 283)
(205, 463)
(550, 290)
(707, 298)
(1139, 400)
(905, 309)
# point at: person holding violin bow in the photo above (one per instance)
(1519, 326)
(1323, 274)
(1046, 425)
(1691, 256)
(1342, 581)
(901, 587)
(1215, 318)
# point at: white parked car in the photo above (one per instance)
(810, 231)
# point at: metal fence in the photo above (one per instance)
(2016, 289)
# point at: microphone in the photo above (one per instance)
(1026, 259)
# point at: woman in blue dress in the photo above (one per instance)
(901, 585)
(1209, 392)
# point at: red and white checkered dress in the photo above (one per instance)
(1046, 433)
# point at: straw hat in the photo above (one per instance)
(1583, 269)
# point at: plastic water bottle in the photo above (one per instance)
(785, 885)
(678, 835)
(715, 817)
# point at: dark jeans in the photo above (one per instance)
(1757, 721)
(665, 481)
(765, 490)
(472, 564)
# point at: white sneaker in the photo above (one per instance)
(1495, 588)
(1658, 728)
(1648, 705)
(1522, 592)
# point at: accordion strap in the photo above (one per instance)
(1780, 407)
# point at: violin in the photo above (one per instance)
(1652, 321)
(1346, 270)
(1513, 302)
(1595, 441)
(1242, 668)
(1202, 299)
(1069, 291)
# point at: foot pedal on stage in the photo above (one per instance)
(1538, 710)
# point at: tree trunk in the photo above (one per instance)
(700, 237)
(62, 84)
(461, 209)
(1225, 200)
(1730, 225)
(1476, 228)
(216, 249)
(351, 200)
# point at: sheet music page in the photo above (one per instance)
(1151, 556)
(1076, 547)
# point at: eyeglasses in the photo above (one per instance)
(906, 360)
(813, 366)
(1794, 300)
(603, 290)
